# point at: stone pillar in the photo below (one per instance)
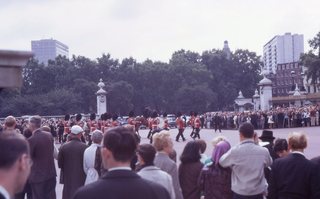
(11, 63)
(101, 99)
(265, 93)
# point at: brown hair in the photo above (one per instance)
(297, 141)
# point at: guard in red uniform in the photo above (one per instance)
(165, 122)
(115, 122)
(180, 125)
(66, 125)
(197, 124)
(191, 122)
(154, 124)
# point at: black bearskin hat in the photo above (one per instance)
(92, 116)
(67, 117)
(78, 117)
(154, 114)
(131, 114)
(114, 117)
(164, 114)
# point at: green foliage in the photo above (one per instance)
(190, 81)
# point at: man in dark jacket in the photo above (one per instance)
(294, 176)
(70, 160)
(43, 172)
(118, 149)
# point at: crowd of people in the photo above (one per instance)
(113, 163)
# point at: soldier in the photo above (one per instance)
(180, 125)
(154, 124)
(197, 124)
(66, 125)
(115, 122)
(165, 122)
(191, 122)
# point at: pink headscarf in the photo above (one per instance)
(221, 148)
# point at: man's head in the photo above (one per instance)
(10, 123)
(119, 147)
(76, 131)
(35, 123)
(97, 136)
(246, 131)
(146, 154)
(162, 142)
(297, 141)
(15, 163)
(281, 147)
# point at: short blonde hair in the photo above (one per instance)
(10, 121)
(218, 139)
(297, 141)
(161, 140)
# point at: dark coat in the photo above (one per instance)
(70, 160)
(188, 176)
(122, 184)
(41, 150)
(215, 182)
(293, 177)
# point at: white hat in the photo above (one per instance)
(76, 129)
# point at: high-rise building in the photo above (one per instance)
(226, 49)
(282, 49)
(48, 49)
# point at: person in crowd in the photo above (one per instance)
(10, 125)
(247, 161)
(267, 136)
(90, 156)
(281, 147)
(180, 125)
(203, 146)
(164, 146)
(214, 180)
(294, 176)
(70, 161)
(43, 172)
(217, 122)
(119, 147)
(189, 170)
(15, 164)
(146, 154)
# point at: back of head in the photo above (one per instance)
(221, 148)
(191, 153)
(97, 136)
(280, 145)
(161, 140)
(202, 145)
(35, 122)
(147, 152)
(10, 122)
(297, 141)
(121, 142)
(12, 146)
(246, 130)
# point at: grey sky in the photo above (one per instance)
(154, 28)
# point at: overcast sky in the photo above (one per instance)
(154, 28)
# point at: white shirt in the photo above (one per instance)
(4, 192)
(89, 157)
(119, 168)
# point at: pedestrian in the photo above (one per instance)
(189, 170)
(119, 147)
(43, 172)
(146, 154)
(70, 161)
(247, 161)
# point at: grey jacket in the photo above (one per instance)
(163, 161)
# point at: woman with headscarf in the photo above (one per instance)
(215, 181)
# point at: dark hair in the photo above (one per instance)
(147, 153)
(121, 143)
(191, 153)
(12, 146)
(36, 120)
(202, 145)
(27, 133)
(247, 130)
(280, 145)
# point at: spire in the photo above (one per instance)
(226, 49)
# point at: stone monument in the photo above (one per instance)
(265, 93)
(256, 100)
(11, 63)
(101, 99)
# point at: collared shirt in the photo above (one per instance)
(119, 168)
(247, 161)
(4, 192)
(298, 152)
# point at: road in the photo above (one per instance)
(208, 135)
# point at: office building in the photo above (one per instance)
(282, 49)
(48, 49)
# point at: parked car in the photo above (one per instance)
(172, 120)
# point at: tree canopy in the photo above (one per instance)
(189, 81)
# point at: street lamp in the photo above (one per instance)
(303, 75)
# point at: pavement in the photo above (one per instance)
(313, 134)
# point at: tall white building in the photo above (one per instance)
(48, 49)
(282, 49)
